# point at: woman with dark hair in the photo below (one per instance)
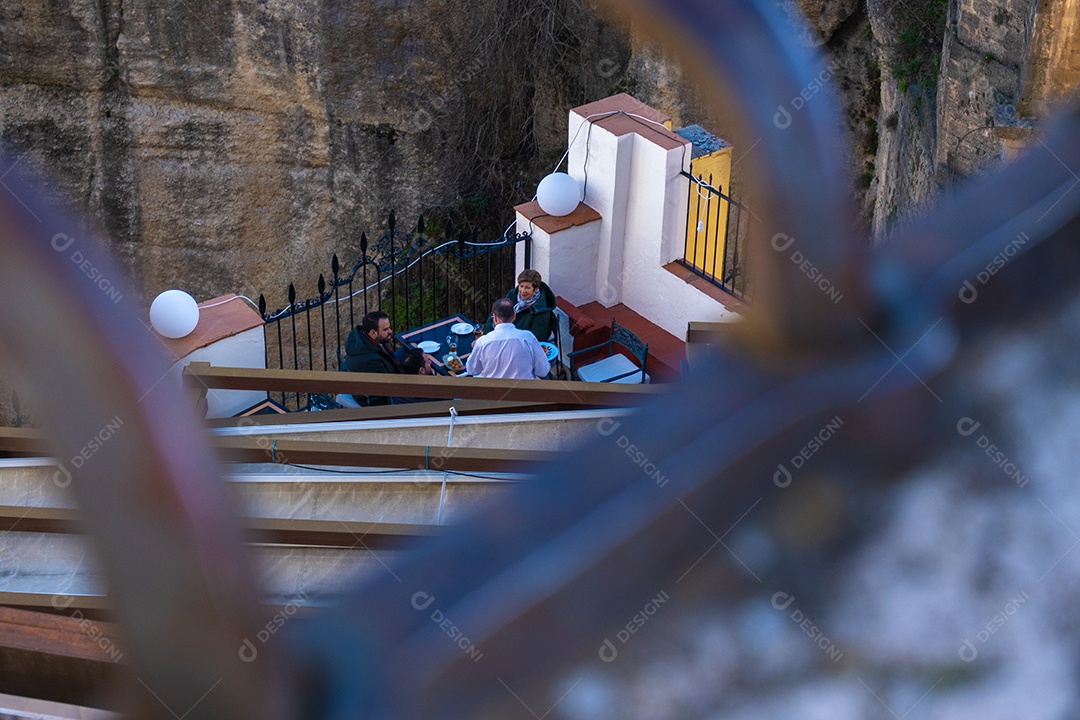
(534, 305)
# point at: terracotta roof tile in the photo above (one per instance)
(551, 224)
(218, 319)
(621, 124)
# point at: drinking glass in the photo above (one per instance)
(451, 342)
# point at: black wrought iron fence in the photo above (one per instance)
(412, 277)
(716, 236)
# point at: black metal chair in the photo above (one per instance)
(344, 400)
(615, 367)
(560, 329)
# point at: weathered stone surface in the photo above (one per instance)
(1052, 71)
(826, 16)
(973, 90)
(998, 29)
(905, 161)
(236, 145)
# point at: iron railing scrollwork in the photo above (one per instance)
(410, 276)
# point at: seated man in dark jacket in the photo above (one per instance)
(366, 351)
(534, 305)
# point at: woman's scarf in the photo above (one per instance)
(526, 304)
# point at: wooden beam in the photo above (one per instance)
(435, 408)
(23, 442)
(61, 658)
(380, 384)
(335, 533)
(265, 448)
(40, 519)
(280, 531)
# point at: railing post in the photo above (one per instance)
(335, 266)
(419, 247)
(393, 274)
(716, 230)
(446, 268)
(689, 195)
(363, 262)
(461, 269)
(266, 346)
(474, 261)
(292, 317)
(322, 320)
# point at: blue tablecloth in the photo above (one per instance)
(437, 332)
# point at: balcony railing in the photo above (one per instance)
(412, 277)
(717, 227)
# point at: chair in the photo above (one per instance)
(616, 367)
(344, 400)
(564, 341)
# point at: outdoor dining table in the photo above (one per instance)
(438, 331)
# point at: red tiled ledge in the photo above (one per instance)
(550, 224)
(219, 318)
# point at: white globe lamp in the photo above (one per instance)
(558, 194)
(174, 314)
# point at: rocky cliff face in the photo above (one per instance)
(932, 89)
(235, 145)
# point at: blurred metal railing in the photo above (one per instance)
(595, 532)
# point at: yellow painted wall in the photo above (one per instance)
(710, 210)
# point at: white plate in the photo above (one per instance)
(461, 329)
(550, 350)
(429, 346)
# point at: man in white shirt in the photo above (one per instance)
(507, 352)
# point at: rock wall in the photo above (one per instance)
(935, 91)
(235, 145)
